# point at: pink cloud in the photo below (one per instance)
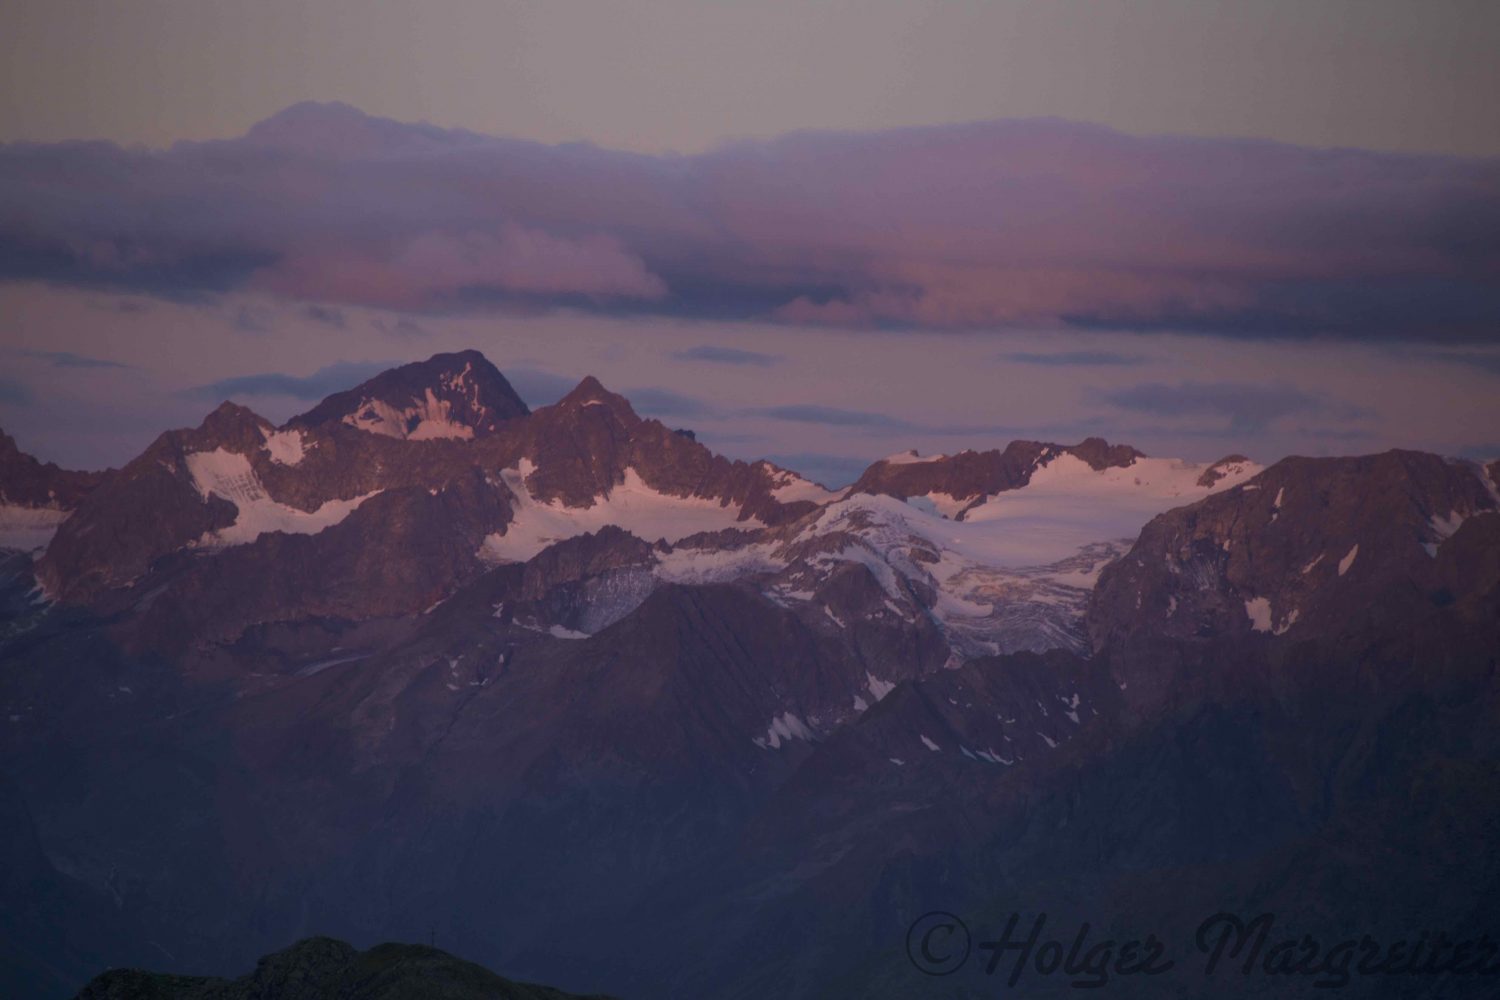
(969, 226)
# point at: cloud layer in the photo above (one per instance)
(1246, 407)
(324, 382)
(993, 225)
(727, 356)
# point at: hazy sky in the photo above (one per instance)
(930, 266)
(1418, 75)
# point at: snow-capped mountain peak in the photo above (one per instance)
(459, 395)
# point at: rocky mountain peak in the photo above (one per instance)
(1310, 546)
(335, 129)
(230, 419)
(457, 395)
(1222, 468)
(8, 447)
(1101, 455)
(973, 475)
(27, 482)
(590, 392)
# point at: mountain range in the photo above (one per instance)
(579, 699)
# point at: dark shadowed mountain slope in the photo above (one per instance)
(52, 926)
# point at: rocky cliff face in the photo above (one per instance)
(1310, 547)
(969, 477)
(457, 395)
(25, 482)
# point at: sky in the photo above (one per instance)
(684, 75)
(816, 232)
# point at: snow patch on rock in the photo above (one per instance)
(429, 419)
(710, 565)
(1017, 571)
(941, 504)
(1258, 610)
(631, 505)
(788, 487)
(910, 457)
(783, 728)
(285, 447)
(1287, 622)
(229, 476)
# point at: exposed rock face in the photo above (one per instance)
(1223, 467)
(583, 445)
(147, 509)
(457, 395)
(1309, 547)
(25, 482)
(319, 968)
(973, 475)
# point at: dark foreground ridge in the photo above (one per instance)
(322, 968)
